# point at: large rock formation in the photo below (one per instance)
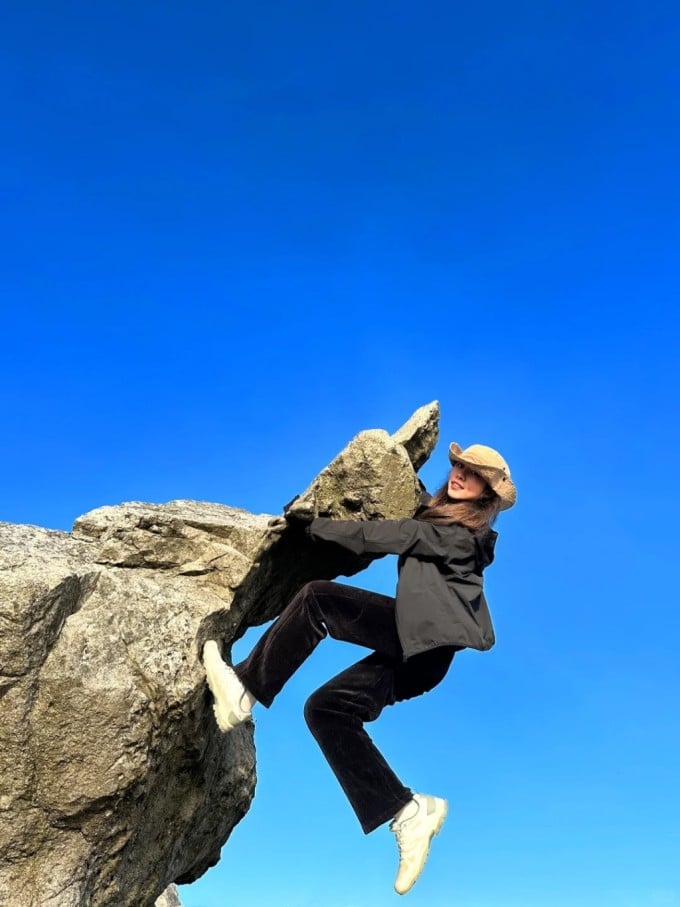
(114, 780)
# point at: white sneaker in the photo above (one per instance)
(414, 836)
(229, 708)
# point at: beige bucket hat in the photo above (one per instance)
(491, 466)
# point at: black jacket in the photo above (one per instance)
(439, 594)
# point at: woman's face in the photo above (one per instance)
(464, 483)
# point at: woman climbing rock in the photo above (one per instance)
(439, 609)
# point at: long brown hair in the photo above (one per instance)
(475, 514)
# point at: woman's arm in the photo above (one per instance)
(407, 536)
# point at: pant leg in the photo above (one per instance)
(337, 711)
(320, 608)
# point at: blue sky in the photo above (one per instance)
(235, 234)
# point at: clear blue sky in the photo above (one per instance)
(236, 234)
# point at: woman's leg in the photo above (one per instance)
(338, 710)
(320, 608)
(335, 714)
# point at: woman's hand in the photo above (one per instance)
(276, 526)
(296, 521)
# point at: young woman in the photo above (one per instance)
(439, 609)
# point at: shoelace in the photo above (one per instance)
(399, 831)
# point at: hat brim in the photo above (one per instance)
(455, 451)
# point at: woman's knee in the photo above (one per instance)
(316, 705)
(347, 698)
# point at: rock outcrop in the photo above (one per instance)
(169, 898)
(114, 780)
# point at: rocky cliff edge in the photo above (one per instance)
(114, 779)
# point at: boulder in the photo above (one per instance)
(114, 779)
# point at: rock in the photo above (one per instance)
(420, 434)
(114, 780)
(374, 476)
(169, 898)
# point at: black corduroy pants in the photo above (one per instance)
(337, 711)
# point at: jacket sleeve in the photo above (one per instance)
(412, 537)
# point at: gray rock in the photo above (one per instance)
(420, 434)
(374, 476)
(114, 779)
(169, 898)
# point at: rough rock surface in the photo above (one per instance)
(114, 780)
(169, 898)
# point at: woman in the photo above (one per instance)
(439, 609)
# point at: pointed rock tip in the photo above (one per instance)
(419, 434)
